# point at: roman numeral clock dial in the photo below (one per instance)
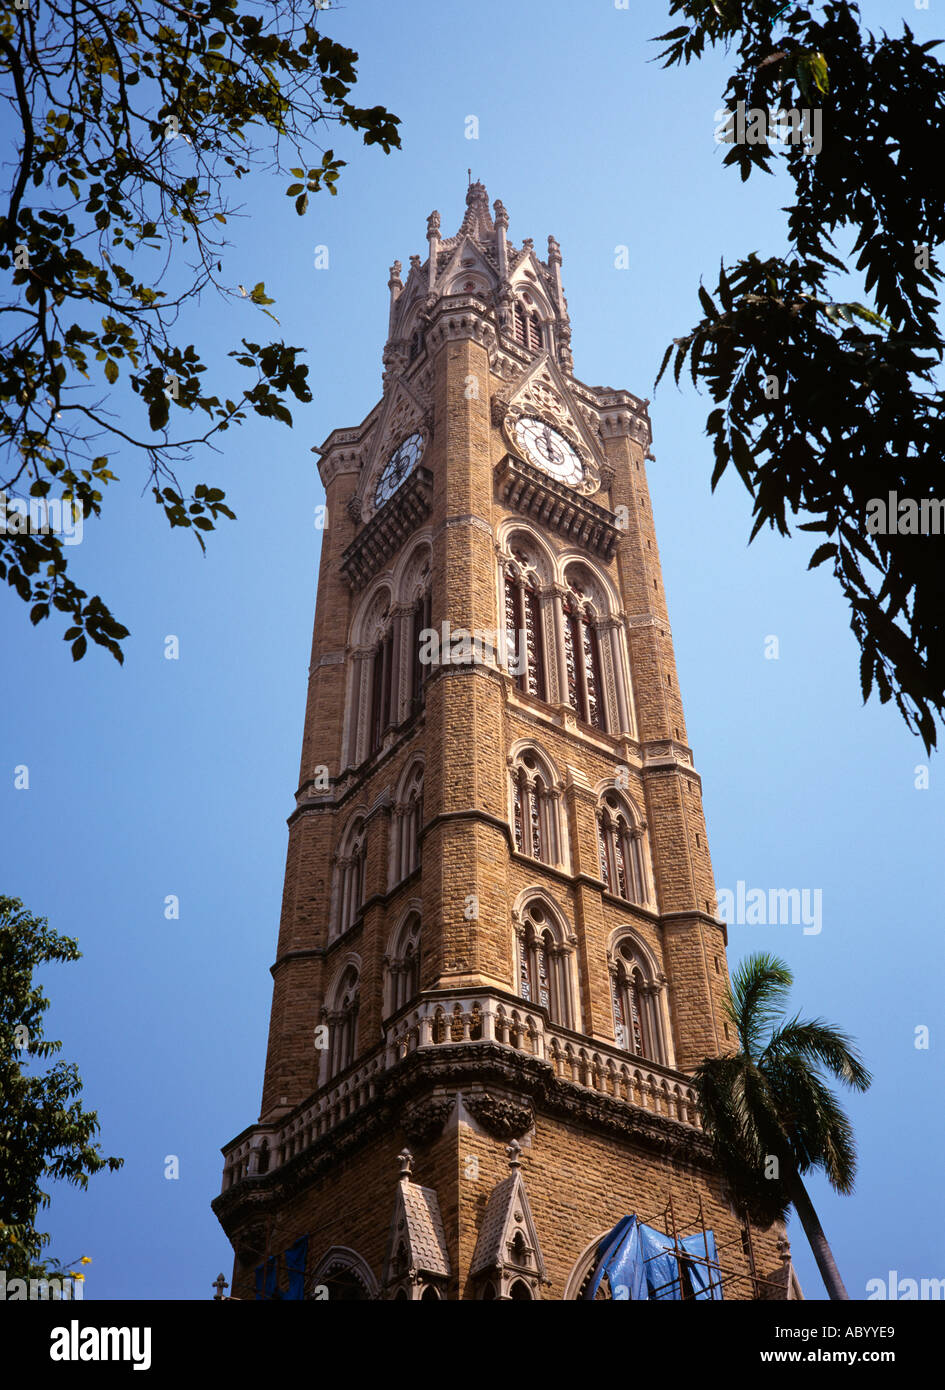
(398, 468)
(550, 451)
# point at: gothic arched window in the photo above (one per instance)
(408, 820)
(342, 1275)
(420, 670)
(342, 1016)
(536, 810)
(585, 691)
(544, 965)
(621, 847)
(635, 996)
(350, 875)
(523, 623)
(373, 706)
(528, 329)
(402, 977)
(382, 712)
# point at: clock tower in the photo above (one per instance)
(499, 955)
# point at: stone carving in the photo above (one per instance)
(506, 1119)
(423, 1121)
(250, 1242)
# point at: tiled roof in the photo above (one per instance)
(426, 1238)
(489, 1252)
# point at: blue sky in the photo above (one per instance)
(175, 777)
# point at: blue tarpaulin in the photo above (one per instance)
(295, 1267)
(269, 1291)
(642, 1263)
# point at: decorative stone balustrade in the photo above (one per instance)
(470, 1019)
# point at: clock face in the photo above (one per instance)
(549, 450)
(398, 467)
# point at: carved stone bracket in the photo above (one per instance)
(498, 409)
(505, 1119)
(423, 1120)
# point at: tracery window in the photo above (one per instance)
(621, 849)
(402, 982)
(373, 706)
(420, 670)
(524, 628)
(638, 1023)
(528, 330)
(582, 659)
(536, 808)
(407, 823)
(343, 1022)
(563, 634)
(382, 712)
(391, 659)
(544, 965)
(350, 876)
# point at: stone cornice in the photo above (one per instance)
(556, 506)
(528, 1081)
(389, 528)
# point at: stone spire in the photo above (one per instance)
(478, 220)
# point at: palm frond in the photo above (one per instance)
(822, 1044)
(770, 1099)
(760, 985)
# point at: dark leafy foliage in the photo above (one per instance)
(133, 120)
(824, 406)
(44, 1131)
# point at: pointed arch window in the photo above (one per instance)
(351, 876)
(374, 701)
(422, 621)
(536, 809)
(408, 820)
(585, 689)
(402, 981)
(382, 712)
(638, 1027)
(528, 327)
(524, 627)
(544, 966)
(343, 1022)
(622, 850)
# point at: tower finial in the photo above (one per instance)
(468, 178)
(405, 1158)
(477, 222)
(513, 1150)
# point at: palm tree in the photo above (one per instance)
(768, 1111)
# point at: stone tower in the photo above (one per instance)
(498, 954)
